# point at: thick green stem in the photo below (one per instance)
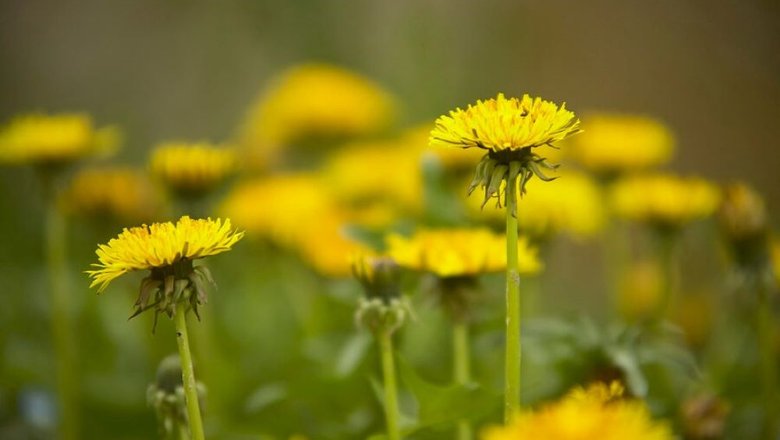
(766, 337)
(512, 360)
(188, 373)
(391, 393)
(462, 369)
(62, 323)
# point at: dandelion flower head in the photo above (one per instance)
(664, 199)
(368, 175)
(615, 143)
(458, 252)
(53, 140)
(319, 101)
(112, 192)
(191, 168)
(503, 124)
(161, 245)
(598, 412)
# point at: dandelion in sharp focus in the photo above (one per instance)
(174, 285)
(508, 129)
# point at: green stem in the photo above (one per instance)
(667, 242)
(766, 337)
(62, 323)
(188, 373)
(462, 369)
(512, 360)
(391, 394)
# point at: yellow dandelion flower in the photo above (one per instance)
(508, 130)
(598, 412)
(458, 252)
(663, 199)
(277, 208)
(369, 175)
(53, 140)
(327, 247)
(316, 101)
(505, 124)
(114, 192)
(615, 143)
(640, 291)
(191, 168)
(161, 246)
(571, 204)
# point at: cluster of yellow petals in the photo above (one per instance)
(316, 100)
(116, 192)
(295, 211)
(664, 199)
(598, 412)
(191, 167)
(458, 252)
(572, 204)
(505, 124)
(377, 175)
(160, 245)
(614, 143)
(57, 139)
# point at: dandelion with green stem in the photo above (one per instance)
(174, 286)
(52, 144)
(454, 259)
(509, 130)
(383, 311)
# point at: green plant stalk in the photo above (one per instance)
(188, 373)
(667, 257)
(766, 336)
(462, 369)
(391, 393)
(512, 360)
(62, 322)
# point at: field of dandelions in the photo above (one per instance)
(326, 273)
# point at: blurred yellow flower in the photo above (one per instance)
(191, 168)
(640, 291)
(505, 124)
(695, 314)
(160, 246)
(316, 100)
(325, 245)
(458, 252)
(742, 213)
(664, 199)
(613, 143)
(571, 203)
(416, 139)
(598, 412)
(279, 207)
(53, 140)
(116, 192)
(372, 175)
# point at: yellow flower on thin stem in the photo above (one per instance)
(508, 130)
(50, 144)
(619, 143)
(598, 412)
(174, 285)
(456, 257)
(54, 140)
(191, 169)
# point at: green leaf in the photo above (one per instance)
(440, 405)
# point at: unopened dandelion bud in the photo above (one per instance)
(743, 221)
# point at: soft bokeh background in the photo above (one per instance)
(176, 69)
